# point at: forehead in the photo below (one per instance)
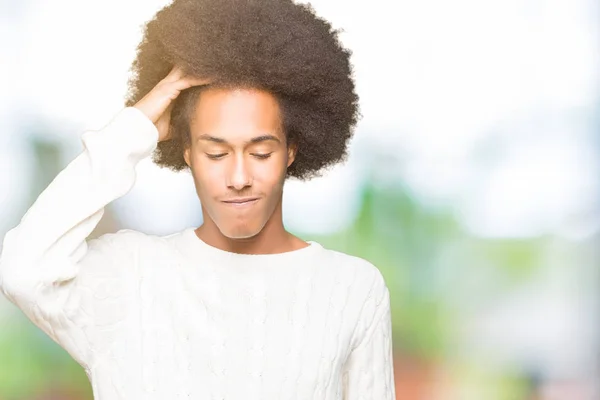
(236, 114)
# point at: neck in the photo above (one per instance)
(271, 239)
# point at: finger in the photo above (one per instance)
(188, 82)
(175, 74)
(195, 81)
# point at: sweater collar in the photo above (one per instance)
(198, 249)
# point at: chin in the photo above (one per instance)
(240, 232)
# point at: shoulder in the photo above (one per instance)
(125, 239)
(118, 256)
(123, 246)
(366, 279)
(136, 247)
(363, 269)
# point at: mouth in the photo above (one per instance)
(241, 202)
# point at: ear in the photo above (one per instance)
(292, 150)
(186, 156)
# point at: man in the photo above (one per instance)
(238, 308)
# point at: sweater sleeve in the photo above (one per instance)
(47, 262)
(368, 372)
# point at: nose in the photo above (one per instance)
(240, 177)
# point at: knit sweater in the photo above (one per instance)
(170, 317)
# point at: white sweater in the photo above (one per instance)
(171, 317)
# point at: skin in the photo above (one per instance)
(238, 157)
(233, 131)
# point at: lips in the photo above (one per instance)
(241, 201)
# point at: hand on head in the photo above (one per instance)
(158, 103)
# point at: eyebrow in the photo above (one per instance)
(257, 139)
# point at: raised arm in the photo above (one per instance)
(47, 266)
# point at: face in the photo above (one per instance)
(238, 157)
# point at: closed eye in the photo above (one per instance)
(215, 156)
(262, 156)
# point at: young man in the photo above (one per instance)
(237, 308)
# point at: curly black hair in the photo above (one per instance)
(278, 46)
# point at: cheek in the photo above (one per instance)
(208, 176)
(271, 173)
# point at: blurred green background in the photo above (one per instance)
(472, 182)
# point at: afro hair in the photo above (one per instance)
(274, 45)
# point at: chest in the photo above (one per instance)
(262, 333)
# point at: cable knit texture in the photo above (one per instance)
(171, 317)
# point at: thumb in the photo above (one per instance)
(164, 123)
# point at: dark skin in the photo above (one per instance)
(238, 157)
